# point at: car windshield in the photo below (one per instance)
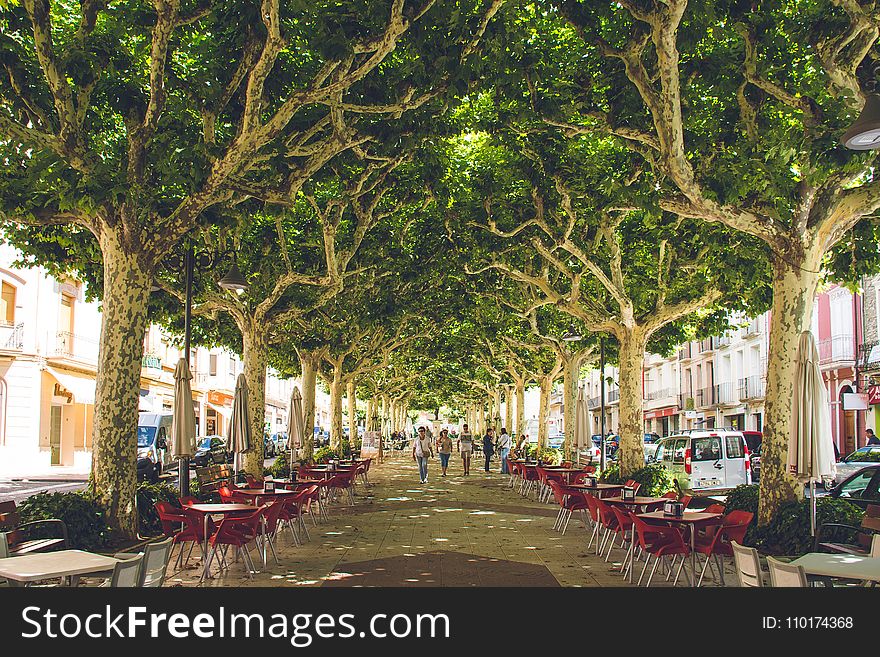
(865, 454)
(146, 436)
(205, 444)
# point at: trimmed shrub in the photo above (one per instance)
(87, 527)
(280, 469)
(745, 498)
(325, 454)
(654, 479)
(147, 496)
(547, 455)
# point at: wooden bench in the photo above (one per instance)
(14, 536)
(212, 477)
(864, 533)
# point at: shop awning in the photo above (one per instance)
(224, 412)
(82, 386)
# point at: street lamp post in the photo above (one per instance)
(602, 404)
(232, 281)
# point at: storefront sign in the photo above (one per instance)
(874, 395)
(370, 444)
(661, 412)
(855, 401)
(219, 398)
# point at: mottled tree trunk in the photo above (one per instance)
(496, 412)
(794, 286)
(256, 360)
(123, 326)
(544, 410)
(309, 365)
(336, 391)
(508, 409)
(631, 455)
(569, 404)
(352, 415)
(520, 407)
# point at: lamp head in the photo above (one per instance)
(233, 280)
(864, 134)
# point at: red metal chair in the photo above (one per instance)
(229, 496)
(174, 525)
(569, 501)
(709, 530)
(530, 480)
(593, 510)
(608, 522)
(624, 531)
(230, 533)
(342, 482)
(660, 542)
(733, 527)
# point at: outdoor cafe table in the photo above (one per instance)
(692, 519)
(847, 566)
(51, 565)
(636, 501)
(599, 489)
(217, 509)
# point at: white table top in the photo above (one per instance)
(49, 565)
(849, 566)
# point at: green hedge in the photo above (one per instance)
(655, 480)
(547, 455)
(147, 496)
(788, 532)
(325, 454)
(86, 520)
(280, 469)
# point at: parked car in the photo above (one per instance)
(555, 440)
(706, 462)
(754, 440)
(650, 452)
(280, 441)
(863, 456)
(861, 487)
(153, 432)
(651, 437)
(268, 446)
(212, 449)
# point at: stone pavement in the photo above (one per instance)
(452, 531)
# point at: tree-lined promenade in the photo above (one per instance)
(425, 196)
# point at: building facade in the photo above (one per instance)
(49, 338)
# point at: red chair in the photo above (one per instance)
(709, 530)
(174, 525)
(187, 501)
(229, 496)
(252, 482)
(342, 482)
(231, 532)
(685, 500)
(593, 510)
(530, 480)
(670, 495)
(624, 531)
(608, 522)
(569, 501)
(634, 485)
(586, 471)
(660, 542)
(733, 527)
(269, 528)
(545, 477)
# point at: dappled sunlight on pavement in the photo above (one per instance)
(452, 531)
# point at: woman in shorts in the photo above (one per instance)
(466, 447)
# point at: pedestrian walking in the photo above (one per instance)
(489, 446)
(466, 448)
(422, 450)
(504, 450)
(444, 450)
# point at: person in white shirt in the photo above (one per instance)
(422, 450)
(504, 450)
(466, 448)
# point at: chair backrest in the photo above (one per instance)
(748, 566)
(670, 495)
(170, 516)
(556, 487)
(624, 522)
(685, 500)
(186, 501)
(786, 574)
(592, 507)
(714, 508)
(127, 572)
(156, 557)
(632, 483)
(606, 515)
(875, 546)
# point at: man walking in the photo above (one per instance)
(422, 449)
(466, 448)
(489, 446)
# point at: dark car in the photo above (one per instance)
(147, 471)
(754, 439)
(861, 488)
(651, 437)
(212, 449)
(268, 446)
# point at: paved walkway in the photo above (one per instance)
(452, 531)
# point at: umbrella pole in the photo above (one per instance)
(812, 508)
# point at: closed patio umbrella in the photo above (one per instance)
(810, 446)
(581, 423)
(240, 422)
(294, 424)
(183, 423)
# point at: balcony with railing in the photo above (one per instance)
(687, 401)
(11, 337)
(663, 393)
(752, 387)
(74, 346)
(840, 348)
(685, 352)
(594, 402)
(707, 345)
(726, 393)
(705, 397)
(614, 395)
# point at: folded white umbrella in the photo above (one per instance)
(183, 423)
(581, 423)
(811, 444)
(240, 422)
(294, 424)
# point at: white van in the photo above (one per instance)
(706, 462)
(154, 441)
